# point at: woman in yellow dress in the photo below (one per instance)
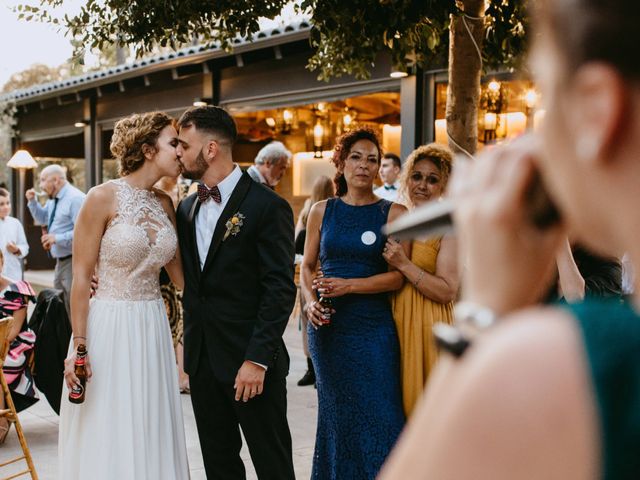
(431, 273)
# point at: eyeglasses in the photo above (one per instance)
(418, 177)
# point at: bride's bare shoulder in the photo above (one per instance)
(101, 199)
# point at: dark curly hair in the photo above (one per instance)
(342, 148)
(133, 132)
(211, 119)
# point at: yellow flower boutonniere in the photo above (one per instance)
(233, 225)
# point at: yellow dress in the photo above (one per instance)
(414, 315)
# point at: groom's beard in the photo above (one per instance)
(200, 167)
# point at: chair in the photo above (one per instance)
(10, 411)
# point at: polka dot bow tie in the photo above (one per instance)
(205, 193)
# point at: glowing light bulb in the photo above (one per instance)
(490, 121)
(398, 74)
(494, 86)
(531, 98)
(318, 135)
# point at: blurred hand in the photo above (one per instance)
(508, 261)
(394, 254)
(30, 194)
(13, 248)
(48, 239)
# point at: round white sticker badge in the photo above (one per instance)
(368, 238)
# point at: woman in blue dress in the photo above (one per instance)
(353, 343)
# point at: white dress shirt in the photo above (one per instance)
(210, 212)
(208, 217)
(388, 192)
(11, 230)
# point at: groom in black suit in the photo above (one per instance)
(236, 241)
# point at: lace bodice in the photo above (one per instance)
(137, 243)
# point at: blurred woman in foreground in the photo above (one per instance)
(549, 393)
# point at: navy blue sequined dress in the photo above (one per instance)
(356, 357)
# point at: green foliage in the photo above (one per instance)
(8, 130)
(146, 24)
(507, 27)
(346, 36)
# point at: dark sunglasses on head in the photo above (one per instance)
(430, 178)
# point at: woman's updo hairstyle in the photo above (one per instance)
(130, 135)
(342, 148)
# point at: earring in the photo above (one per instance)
(587, 148)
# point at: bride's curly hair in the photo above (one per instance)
(342, 148)
(130, 135)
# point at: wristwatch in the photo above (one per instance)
(470, 319)
(470, 315)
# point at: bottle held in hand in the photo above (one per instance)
(76, 395)
(326, 304)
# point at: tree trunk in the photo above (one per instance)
(465, 69)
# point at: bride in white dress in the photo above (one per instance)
(130, 425)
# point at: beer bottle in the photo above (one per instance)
(326, 304)
(76, 395)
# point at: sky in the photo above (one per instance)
(26, 43)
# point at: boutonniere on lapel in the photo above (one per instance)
(233, 225)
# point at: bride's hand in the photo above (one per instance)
(70, 377)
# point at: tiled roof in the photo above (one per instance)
(193, 54)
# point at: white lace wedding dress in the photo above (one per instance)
(130, 425)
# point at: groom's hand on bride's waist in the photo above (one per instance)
(249, 381)
(94, 285)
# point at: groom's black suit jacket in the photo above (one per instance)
(238, 306)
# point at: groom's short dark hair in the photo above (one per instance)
(210, 119)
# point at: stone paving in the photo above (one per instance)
(40, 424)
